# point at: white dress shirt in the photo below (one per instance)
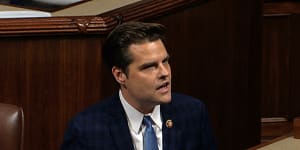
(135, 119)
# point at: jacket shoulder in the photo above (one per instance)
(100, 110)
(181, 100)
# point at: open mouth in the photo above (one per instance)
(163, 86)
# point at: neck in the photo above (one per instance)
(141, 107)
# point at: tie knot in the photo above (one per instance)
(147, 121)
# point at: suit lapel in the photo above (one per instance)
(119, 126)
(171, 134)
(120, 130)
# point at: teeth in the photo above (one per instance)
(163, 85)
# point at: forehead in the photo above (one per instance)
(148, 51)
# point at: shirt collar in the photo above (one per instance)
(135, 118)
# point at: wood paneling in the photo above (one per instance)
(52, 66)
(275, 66)
(280, 67)
(215, 56)
(283, 7)
(272, 130)
(294, 103)
(52, 78)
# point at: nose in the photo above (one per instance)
(164, 70)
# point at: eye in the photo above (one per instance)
(166, 60)
(149, 66)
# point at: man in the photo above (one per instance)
(139, 62)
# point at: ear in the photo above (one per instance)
(119, 75)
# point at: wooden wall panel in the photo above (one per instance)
(276, 66)
(52, 78)
(215, 56)
(280, 67)
(54, 69)
(294, 105)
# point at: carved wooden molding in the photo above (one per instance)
(53, 25)
(100, 24)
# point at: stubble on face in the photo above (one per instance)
(148, 80)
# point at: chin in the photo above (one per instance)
(166, 99)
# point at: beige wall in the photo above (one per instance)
(93, 7)
(10, 8)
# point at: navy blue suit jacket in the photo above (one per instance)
(103, 126)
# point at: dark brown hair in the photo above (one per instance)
(115, 50)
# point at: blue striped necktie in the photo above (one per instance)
(150, 141)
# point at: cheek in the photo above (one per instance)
(142, 82)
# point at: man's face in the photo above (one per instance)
(148, 80)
